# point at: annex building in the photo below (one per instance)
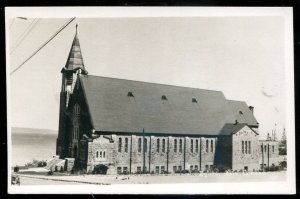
(117, 125)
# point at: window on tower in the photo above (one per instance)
(76, 121)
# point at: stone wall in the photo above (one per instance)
(168, 158)
(245, 159)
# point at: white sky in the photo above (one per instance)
(241, 56)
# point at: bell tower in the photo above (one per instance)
(74, 67)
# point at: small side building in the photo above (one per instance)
(238, 148)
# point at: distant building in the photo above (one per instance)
(116, 125)
(269, 153)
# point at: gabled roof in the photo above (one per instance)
(113, 110)
(230, 129)
(242, 113)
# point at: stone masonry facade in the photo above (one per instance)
(150, 154)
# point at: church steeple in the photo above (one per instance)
(74, 62)
(75, 56)
(74, 67)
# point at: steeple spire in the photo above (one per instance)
(74, 62)
(75, 56)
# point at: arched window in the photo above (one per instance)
(212, 146)
(180, 146)
(197, 147)
(120, 145)
(126, 145)
(100, 154)
(243, 147)
(192, 146)
(163, 145)
(76, 121)
(175, 145)
(206, 146)
(157, 145)
(140, 145)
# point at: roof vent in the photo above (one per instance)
(129, 94)
(163, 97)
(251, 109)
(240, 112)
(194, 100)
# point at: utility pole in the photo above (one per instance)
(144, 148)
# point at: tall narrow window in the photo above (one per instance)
(120, 145)
(262, 148)
(157, 145)
(180, 146)
(126, 145)
(103, 154)
(97, 154)
(206, 146)
(140, 145)
(197, 147)
(246, 148)
(212, 146)
(243, 147)
(265, 148)
(100, 154)
(163, 145)
(273, 148)
(192, 146)
(249, 146)
(145, 145)
(76, 121)
(175, 145)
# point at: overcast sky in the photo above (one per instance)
(241, 56)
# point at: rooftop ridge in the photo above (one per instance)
(86, 76)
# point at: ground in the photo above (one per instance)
(147, 179)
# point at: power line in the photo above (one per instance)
(13, 20)
(35, 52)
(25, 34)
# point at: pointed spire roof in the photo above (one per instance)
(75, 60)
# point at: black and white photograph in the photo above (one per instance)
(156, 100)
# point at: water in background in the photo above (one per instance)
(34, 145)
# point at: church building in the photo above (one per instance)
(115, 126)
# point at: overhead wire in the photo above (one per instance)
(25, 33)
(43, 45)
(12, 22)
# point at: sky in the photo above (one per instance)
(241, 56)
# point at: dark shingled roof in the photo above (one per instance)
(75, 56)
(230, 129)
(112, 110)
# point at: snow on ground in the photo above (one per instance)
(37, 169)
(161, 179)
